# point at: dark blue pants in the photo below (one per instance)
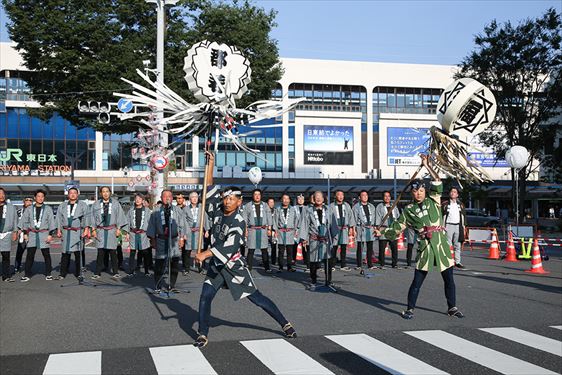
(419, 277)
(208, 294)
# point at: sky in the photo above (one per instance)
(423, 32)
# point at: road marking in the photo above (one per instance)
(83, 363)
(479, 354)
(382, 355)
(527, 338)
(180, 359)
(557, 327)
(283, 358)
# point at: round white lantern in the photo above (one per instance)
(255, 175)
(466, 108)
(517, 157)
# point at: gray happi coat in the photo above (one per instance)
(139, 240)
(286, 228)
(364, 225)
(192, 226)
(381, 211)
(344, 223)
(317, 233)
(72, 238)
(107, 238)
(8, 225)
(156, 229)
(38, 234)
(257, 237)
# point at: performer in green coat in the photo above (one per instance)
(425, 217)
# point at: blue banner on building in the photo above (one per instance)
(328, 144)
(487, 160)
(405, 144)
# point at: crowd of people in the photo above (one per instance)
(170, 232)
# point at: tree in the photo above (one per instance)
(522, 65)
(80, 49)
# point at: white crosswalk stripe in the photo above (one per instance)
(81, 363)
(383, 355)
(180, 360)
(479, 354)
(283, 358)
(527, 338)
(557, 327)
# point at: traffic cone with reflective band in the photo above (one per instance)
(510, 252)
(452, 248)
(400, 245)
(299, 252)
(494, 247)
(351, 243)
(536, 260)
(387, 250)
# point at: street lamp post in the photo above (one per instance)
(160, 28)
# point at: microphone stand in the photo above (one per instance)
(169, 288)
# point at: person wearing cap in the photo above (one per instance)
(258, 219)
(22, 243)
(384, 209)
(365, 219)
(38, 225)
(166, 230)
(108, 221)
(8, 233)
(73, 225)
(454, 217)
(138, 217)
(227, 267)
(346, 224)
(425, 217)
(285, 225)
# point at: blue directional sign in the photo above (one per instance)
(125, 105)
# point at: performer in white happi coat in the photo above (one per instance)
(285, 225)
(384, 208)
(365, 219)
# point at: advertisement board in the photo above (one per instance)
(405, 144)
(328, 144)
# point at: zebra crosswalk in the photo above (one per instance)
(419, 352)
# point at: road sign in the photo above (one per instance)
(125, 105)
(160, 162)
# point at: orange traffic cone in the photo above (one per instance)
(494, 247)
(510, 253)
(401, 246)
(387, 250)
(299, 252)
(536, 261)
(351, 243)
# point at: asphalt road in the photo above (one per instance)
(123, 321)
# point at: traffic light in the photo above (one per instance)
(101, 109)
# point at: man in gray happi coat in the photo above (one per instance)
(38, 224)
(167, 223)
(318, 229)
(109, 221)
(380, 212)
(259, 222)
(72, 227)
(138, 218)
(285, 225)
(8, 233)
(192, 214)
(345, 221)
(365, 220)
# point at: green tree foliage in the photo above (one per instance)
(81, 48)
(522, 65)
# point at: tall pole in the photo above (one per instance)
(395, 182)
(160, 29)
(517, 200)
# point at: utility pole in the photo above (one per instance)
(160, 30)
